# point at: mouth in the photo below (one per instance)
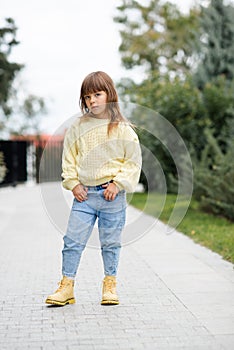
(95, 108)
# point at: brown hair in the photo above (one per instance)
(100, 81)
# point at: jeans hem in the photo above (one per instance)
(69, 275)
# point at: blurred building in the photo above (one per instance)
(32, 158)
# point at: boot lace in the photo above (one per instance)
(61, 285)
(109, 285)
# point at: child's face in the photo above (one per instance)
(96, 103)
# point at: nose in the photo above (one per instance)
(92, 98)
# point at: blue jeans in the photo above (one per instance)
(111, 220)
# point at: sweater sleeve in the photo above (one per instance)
(69, 157)
(128, 176)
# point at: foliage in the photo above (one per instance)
(180, 102)
(8, 70)
(216, 37)
(218, 102)
(190, 111)
(156, 37)
(215, 73)
(33, 107)
(214, 178)
(214, 170)
(172, 51)
(20, 111)
(159, 39)
(210, 230)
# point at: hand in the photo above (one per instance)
(80, 193)
(111, 190)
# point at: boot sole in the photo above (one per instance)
(60, 303)
(109, 302)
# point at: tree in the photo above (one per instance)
(19, 114)
(214, 171)
(156, 37)
(215, 73)
(159, 39)
(218, 103)
(216, 43)
(8, 70)
(32, 108)
(169, 47)
(181, 104)
(214, 178)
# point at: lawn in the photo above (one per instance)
(214, 232)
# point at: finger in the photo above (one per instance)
(110, 196)
(81, 197)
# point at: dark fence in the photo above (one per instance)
(49, 161)
(38, 161)
(15, 159)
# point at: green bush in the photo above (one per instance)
(214, 178)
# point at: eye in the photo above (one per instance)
(87, 97)
(98, 94)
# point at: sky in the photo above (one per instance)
(60, 43)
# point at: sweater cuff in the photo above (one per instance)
(70, 184)
(118, 185)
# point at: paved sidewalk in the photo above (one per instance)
(174, 294)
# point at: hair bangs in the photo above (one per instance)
(92, 84)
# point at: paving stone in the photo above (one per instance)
(174, 294)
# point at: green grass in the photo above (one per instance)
(214, 232)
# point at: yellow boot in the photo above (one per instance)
(109, 296)
(64, 294)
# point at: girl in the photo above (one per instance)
(101, 162)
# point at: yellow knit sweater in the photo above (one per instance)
(92, 157)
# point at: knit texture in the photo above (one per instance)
(92, 157)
